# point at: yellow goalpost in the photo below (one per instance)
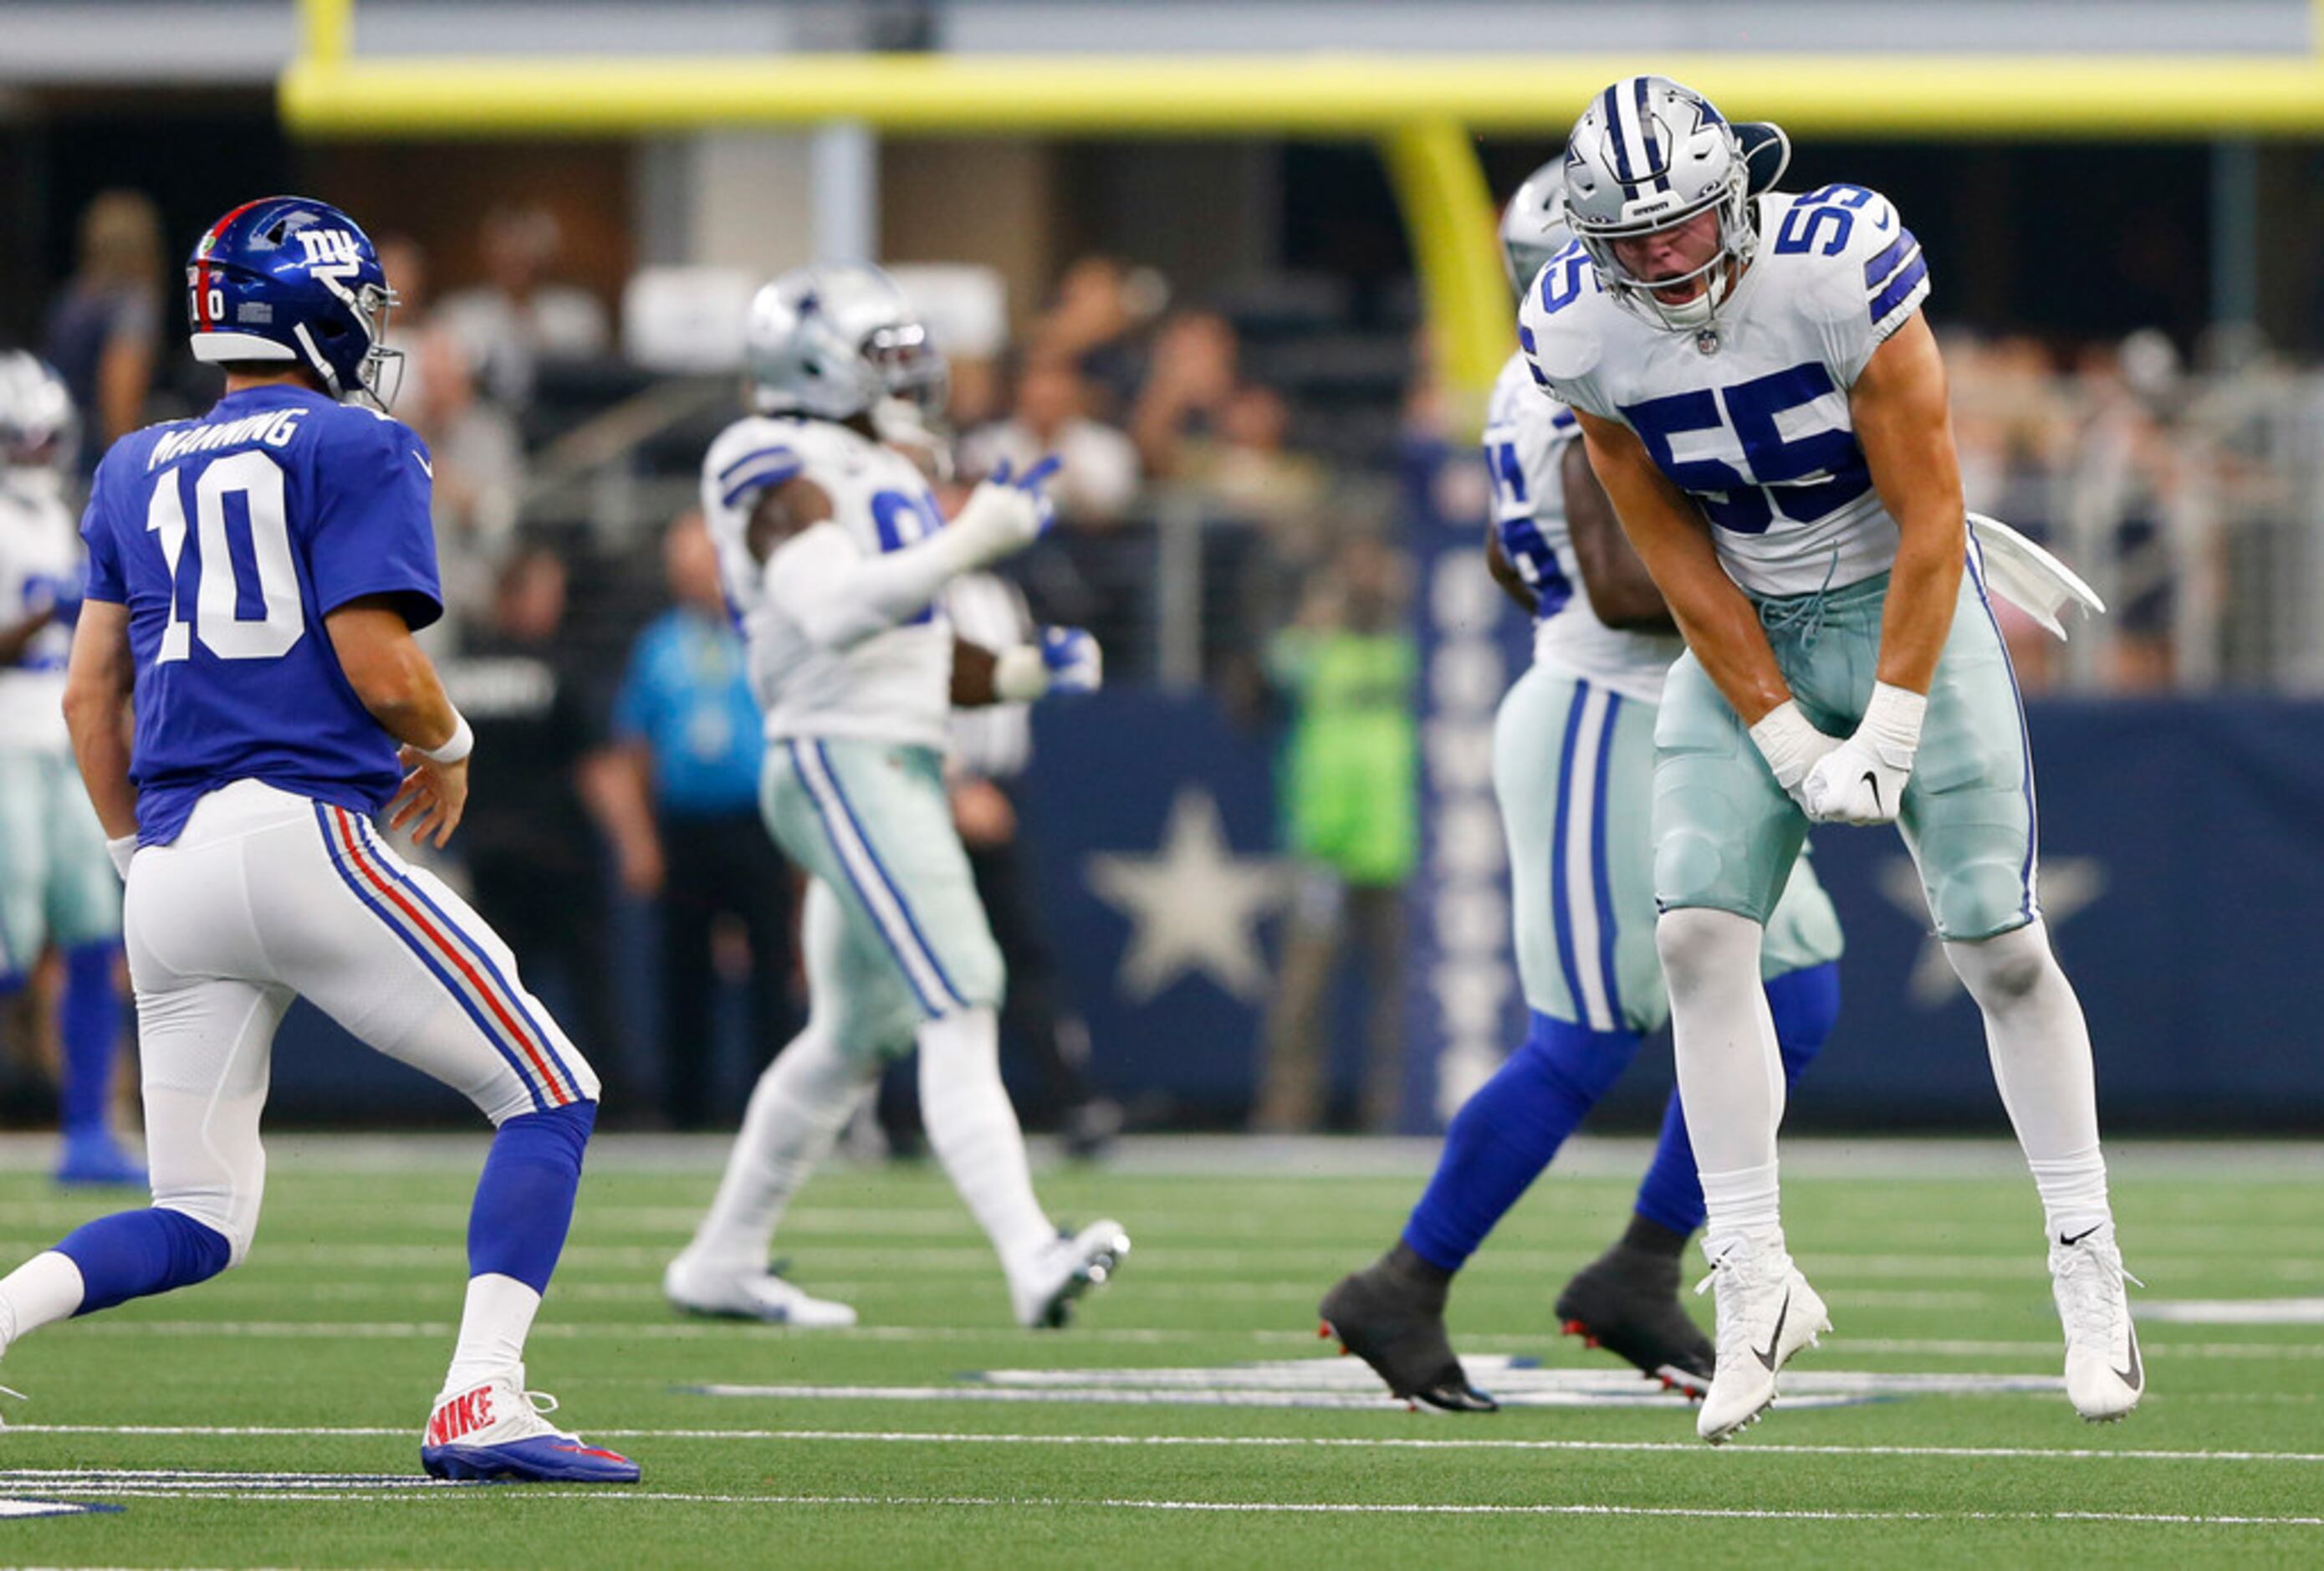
(1425, 111)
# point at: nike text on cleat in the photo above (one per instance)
(2105, 1375)
(1396, 1324)
(1042, 1291)
(495, 1431)
(700, 1287)
(1767, 1313)
(1627, 1301)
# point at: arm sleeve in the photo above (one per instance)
(106, 579)
(373, 533)
(839, 596)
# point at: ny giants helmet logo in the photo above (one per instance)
(331, 248)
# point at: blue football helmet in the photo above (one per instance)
(292, 280)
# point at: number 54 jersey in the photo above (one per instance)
(1750, 416)
(230, 538)
(895, 685)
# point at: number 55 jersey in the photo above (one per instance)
(230, 538)
(1749, 416)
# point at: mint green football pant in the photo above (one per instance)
(1726, 834)
(895, 934)
(56, 881)
(1574, 765)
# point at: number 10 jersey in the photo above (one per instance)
(1749, 416)
(230, 538)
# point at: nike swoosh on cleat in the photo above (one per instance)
(2131, 1376)
(1776, 1336)
(2084, 1233)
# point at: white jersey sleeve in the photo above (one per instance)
(1861, 275)
(894, 685)
(1526, 435)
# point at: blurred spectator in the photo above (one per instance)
(518, 319)
(1100, 478)
(1198, 424)
(103, 334)
(479, 459)
(1094, 325)
(684, 815)
(1348, 667)
(530, 836)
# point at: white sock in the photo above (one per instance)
(795, 1111)
(2040, 1046)
(1731, 1074)
(973, 1132)
(45, 1289)
(493, 1329)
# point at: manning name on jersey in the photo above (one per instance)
(1750, 416)
(893, 687)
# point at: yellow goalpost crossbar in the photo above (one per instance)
(1423, 110)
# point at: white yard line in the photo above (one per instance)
(21, 1476)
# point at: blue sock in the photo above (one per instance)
(131, 1255)
(91, 1030)
(1805, 1006)
(1506, 1134)
(524, 1196)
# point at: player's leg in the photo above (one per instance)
(872, 822)
(857, 1015)
(206, 1018)
(84, 917)
(1725, 840)
(409, 969)
(1969, 816)
(1568, 759)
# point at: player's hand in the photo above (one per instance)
(982, 812)
(1073, 659)
(1862, 780)
(432, 796)
(1792, 747)
(1010, 511)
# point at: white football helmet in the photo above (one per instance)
(39, 427)
(1533, 226)
(833, 339)
(1648, 154)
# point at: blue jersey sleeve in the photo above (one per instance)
(105, 581)
(373, 531)
(635, 704)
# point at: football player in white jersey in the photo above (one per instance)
(834, 557)
(1764, 403)
(1573, 765)
(57, 885)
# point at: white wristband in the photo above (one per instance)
(123, 851)
(1790, 743)
(1019, 674)
(462, 742)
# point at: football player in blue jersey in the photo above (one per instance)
(255, 577)
(1763, 398)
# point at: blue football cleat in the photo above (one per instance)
(494, 1432)
(93, 1157)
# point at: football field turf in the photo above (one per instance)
(272, 1418)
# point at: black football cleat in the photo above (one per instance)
(1627, 1302)
(1393, 1318)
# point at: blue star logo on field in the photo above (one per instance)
(1194, 906)
(2069, 885)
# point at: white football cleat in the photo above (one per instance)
(1767, 1313)
(699, 1287)
(1043, 1292)
(495, 1431)
(2105, 1376)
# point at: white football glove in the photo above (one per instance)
(1003, 515)
(124, 851)
(1067, 660)
(1792, 746)
(1862, 780)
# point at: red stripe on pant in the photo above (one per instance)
(359, 858)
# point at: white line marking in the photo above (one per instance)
(674, 1331)
(1263, 1442)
